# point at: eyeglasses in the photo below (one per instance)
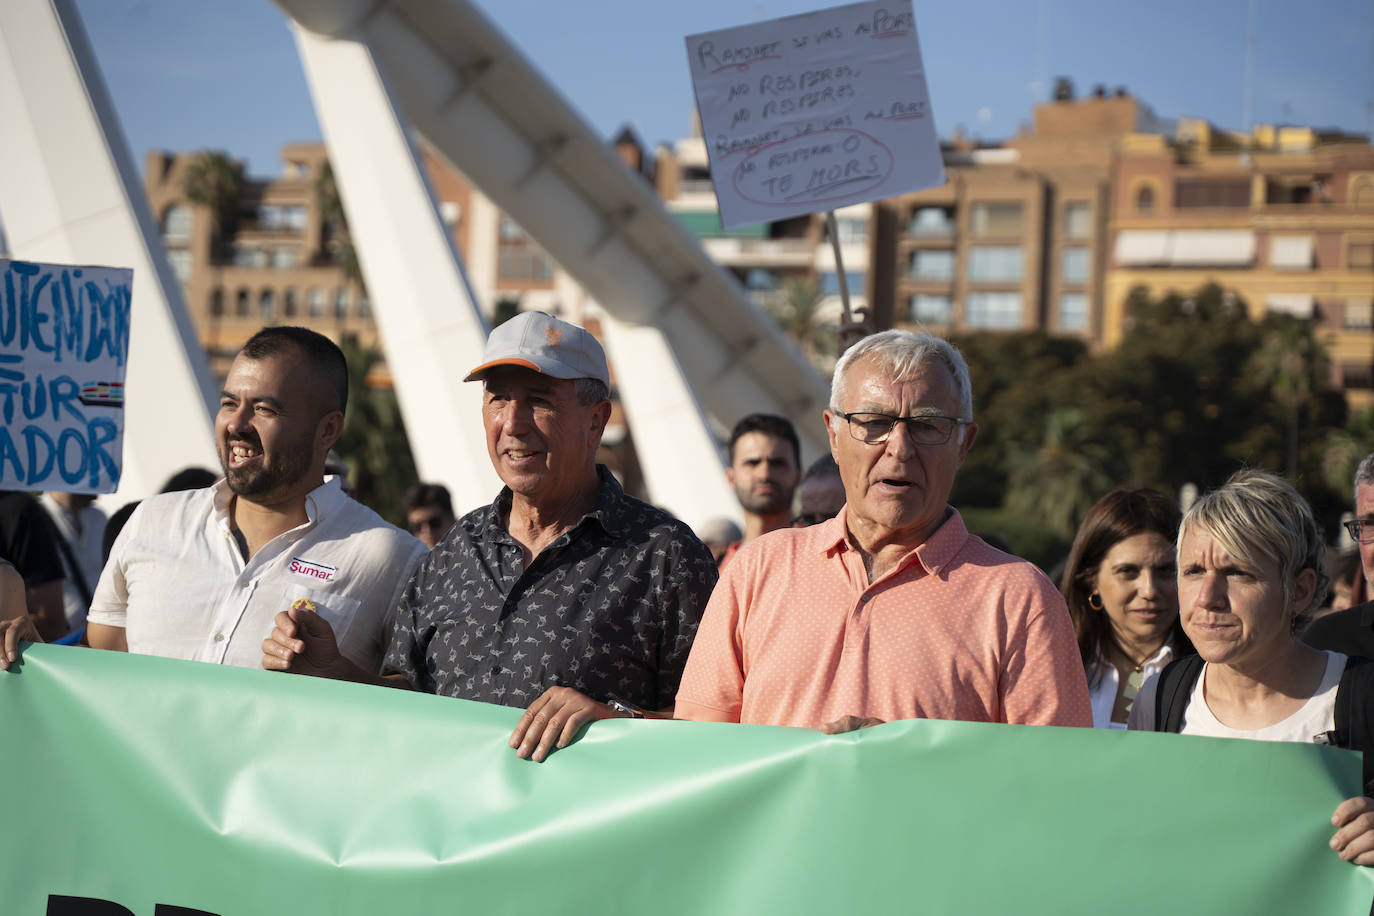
(1361, 531)
(926, 429)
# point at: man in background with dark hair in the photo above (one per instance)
(200, 574)
(429, 512)
(765, 464)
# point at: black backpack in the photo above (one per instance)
(1354, 712)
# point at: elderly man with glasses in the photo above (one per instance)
(890, 610)
(1351, 631)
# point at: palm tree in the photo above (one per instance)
(335, 222)
(374, 442)
(1295, 365)
(215, 181)
(1059, 480)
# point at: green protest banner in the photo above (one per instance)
(154, 785)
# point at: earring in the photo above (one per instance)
(1095, 601)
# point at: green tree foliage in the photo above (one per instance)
(1196, 390)
(374, 442)
(214, 180)
(334, 224)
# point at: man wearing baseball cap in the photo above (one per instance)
(564, 596)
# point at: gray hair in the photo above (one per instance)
(591, 391)
(1255, 515)
(1365, 472)
(901, 355)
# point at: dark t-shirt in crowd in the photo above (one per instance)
(609, 608)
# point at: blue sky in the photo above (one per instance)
(188, 74)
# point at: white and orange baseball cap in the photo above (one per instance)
(539, 341)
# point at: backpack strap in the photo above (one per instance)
(1173, 690)
(1354, 714)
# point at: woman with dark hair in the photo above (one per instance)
(1121, 588)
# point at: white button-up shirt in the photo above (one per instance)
(179, 587)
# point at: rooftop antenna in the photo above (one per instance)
(1249, 70)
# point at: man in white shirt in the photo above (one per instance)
(200, 574)
(80, 525)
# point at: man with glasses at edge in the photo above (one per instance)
(890, 610)
(1351, 631)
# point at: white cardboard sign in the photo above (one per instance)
(64, 349)
(814, 112)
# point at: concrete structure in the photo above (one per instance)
(69, 195)
(449, 73)
(1282, 217)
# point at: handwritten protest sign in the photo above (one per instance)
(64, 344)
(815, 112)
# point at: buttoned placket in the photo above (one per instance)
(247, 576)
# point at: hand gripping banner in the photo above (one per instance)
(155, 787)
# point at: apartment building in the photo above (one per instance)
(1015, 238)
(268, 251)
(1281, 216)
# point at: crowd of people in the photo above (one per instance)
(853, 595)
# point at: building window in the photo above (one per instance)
(1000, 311)
(1357, 375)
(281, 217)
(1362, 192)
(364, 305)
(284, 258)
(932, 265)
(756, 279)
(930, 309)
(341, 303)
(267, 303)
(180, 260)
(851, 229)
(249, 257)
(1073, 312)
(1290, 252)
(1211, 193)
(242, 303)
(995, 263)
(216, 302)
(288, 303)
(1074, 268)
(996, 219)
(1078, 222)
(176, 224)
(1145, 197)
(830, 282)
(932, 221)
(314, 301)
(519, 256)
(1360, 256)
(1359, 314)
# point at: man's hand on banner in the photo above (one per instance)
(554, 720)
(1354, 841)
(12, 633)
(303, 642)
(849, 724)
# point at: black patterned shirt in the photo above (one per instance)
(609, 608)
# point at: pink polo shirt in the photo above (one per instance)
(795, 634)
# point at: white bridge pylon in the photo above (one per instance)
(689, 347)
(70, 194)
